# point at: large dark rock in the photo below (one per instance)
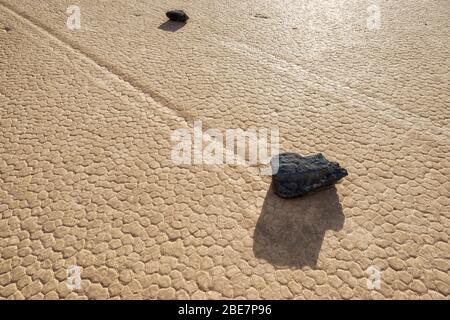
(177, 15)
(295, 175)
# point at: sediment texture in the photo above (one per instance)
(86, 177)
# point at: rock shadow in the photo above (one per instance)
(171, 26)
(290, 232)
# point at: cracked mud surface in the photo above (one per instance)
(86, 177)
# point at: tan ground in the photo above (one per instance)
(86, 177)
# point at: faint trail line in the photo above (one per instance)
(97, 61)
(331, 86)
(110, 70)
(277, 64)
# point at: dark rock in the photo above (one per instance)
(295, 175)
(177, 15)
(7, 28)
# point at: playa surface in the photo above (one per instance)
(87, 180)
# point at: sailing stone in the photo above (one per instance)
(294, 175)
(177, 15)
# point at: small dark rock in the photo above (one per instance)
(7, 28)
(298, 175)
(177, 15)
